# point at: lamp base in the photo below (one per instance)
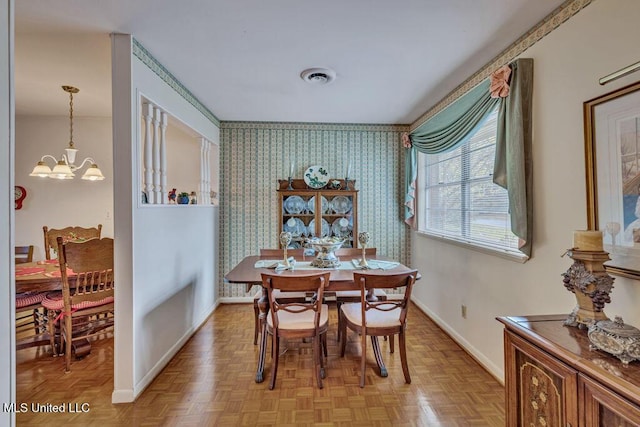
(591, 284)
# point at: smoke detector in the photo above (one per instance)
(318, 76)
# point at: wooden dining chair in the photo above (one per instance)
(308, 319)
(85, 309)
(23, 254)
(289, 297)
(30, 314)
(349, 254)
(378, 318)
(31, 325)
(69, 234)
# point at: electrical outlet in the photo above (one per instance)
(463, 311)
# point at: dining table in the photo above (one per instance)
(248, 272)
(43, 276)
(38, 276)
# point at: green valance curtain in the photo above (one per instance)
(458, 122)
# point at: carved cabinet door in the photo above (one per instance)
(605, 408)
(540, 390)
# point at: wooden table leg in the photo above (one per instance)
(378, 354)
(263, 304)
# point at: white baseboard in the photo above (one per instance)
(236, 300)
(122, 396)
(126, 396)
(488, 365)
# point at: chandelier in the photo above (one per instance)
(65, 167)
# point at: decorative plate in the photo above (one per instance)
(324, 228)
(311, 205)
(294, 204)
(341, 227)
(316, 176)
(341, 204)
(295, 226)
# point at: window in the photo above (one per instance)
(458, 200)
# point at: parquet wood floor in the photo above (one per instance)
(210, 382)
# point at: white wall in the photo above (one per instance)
(166, 256)
(600, 39)
(62, 203)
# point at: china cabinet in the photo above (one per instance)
(553, 378)
(324, 212)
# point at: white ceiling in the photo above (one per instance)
(242, 59)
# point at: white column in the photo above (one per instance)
(202, 197)
(156, 156)
(207, 184)
(163, 158)
(147, 185)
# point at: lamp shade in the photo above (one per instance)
(41, 170)
(93, 173)
(62, 171)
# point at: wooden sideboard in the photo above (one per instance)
(552, 378)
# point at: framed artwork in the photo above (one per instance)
(612, 154)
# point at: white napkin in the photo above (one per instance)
(376, 264)
(274, 263)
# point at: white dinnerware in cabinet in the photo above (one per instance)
(307, 212)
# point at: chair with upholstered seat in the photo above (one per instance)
(23, 254)
(297, 319)
(347, 255)
(69, 234)
(86, 307)
(290, 297)
(31, 326)
(30, 314)
(378, 318)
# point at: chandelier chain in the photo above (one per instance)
(71, 119)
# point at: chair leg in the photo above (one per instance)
(338, 305)
(363, 360)
(275, 350)
(391, 349)
(52, 333)
(67, 333)
(256, 321)
(317, 360)
(324, 345)
(343, 334)
(403, 357)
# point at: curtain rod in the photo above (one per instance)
(622, 72)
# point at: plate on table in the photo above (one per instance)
(324, 228)
(342, 227)
(341, 204)
(295, 226)
(324, 203)
(316, 176)
(294, 204)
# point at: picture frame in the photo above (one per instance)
(612, 163)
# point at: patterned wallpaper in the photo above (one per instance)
(254, 155)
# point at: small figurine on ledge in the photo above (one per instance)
(172, 197)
